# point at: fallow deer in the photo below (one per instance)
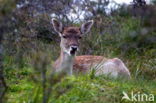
(68, 62)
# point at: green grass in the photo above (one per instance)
(78, 89)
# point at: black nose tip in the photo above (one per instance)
(74, 48)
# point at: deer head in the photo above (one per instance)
(70, 36)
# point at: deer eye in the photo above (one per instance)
(64, 36)
(79, 37)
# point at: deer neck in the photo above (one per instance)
(64, 63)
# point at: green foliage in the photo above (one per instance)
(154, 2)
(25, 84)
(6, 7)
(31, 47)
(28, 60)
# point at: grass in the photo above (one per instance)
(77, 89)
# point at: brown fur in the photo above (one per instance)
(71, 30)
(83, 63)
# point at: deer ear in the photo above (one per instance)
(85, 28)
(58, 27)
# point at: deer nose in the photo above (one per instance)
(74, 48)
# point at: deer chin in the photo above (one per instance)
(70, 52)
